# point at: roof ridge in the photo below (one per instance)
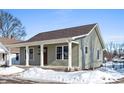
(66, 28)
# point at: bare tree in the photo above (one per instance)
(111, 48)
(11, 27)
(115, 49)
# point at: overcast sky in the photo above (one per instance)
(111, 22)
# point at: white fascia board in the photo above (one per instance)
(52, 41)
(101, 36)
(75, 42)
(80, 36)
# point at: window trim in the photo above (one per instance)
(62, 52)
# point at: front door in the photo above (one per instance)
(45, 55)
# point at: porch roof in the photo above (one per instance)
(53, 41)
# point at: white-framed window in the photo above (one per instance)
(61, 52)
(65, 48)
(31, 53)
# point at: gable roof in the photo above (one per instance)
(7, 41)
(63, 33)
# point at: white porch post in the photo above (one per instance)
(41, 55)
(27, 56)
(69, 54)
(9, 58)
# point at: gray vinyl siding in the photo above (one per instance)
(22, 56)
(75, 55)
(35, 61)
(83, 42)
(86, 43)
(52, 56)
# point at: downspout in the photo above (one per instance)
(83, 55)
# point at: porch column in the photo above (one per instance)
(9, 58)
(41, 55)
(27, 56)
(69, 54)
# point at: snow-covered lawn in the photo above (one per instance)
(10, 70)
(100, 75)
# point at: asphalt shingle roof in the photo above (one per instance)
(63, 33)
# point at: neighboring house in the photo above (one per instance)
(80, 46)
(14, 51)
(3, 54)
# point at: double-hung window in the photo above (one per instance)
(65, 52)
(62, 52)
(59, 52)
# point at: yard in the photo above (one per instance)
(105, 74)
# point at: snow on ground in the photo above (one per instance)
(101, 75)
(96, 76)
(10, 70)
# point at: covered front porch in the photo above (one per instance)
(61, 53)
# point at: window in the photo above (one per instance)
(3, 57)
(17, 56)
(86, 50)
(62, 52)
(65, 52)
(59, 52)
(31, 54)
(97, 54)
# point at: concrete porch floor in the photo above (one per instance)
(56, 68)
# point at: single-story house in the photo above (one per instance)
(14, 56)
(80, 46)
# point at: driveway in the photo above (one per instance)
(13, 80)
